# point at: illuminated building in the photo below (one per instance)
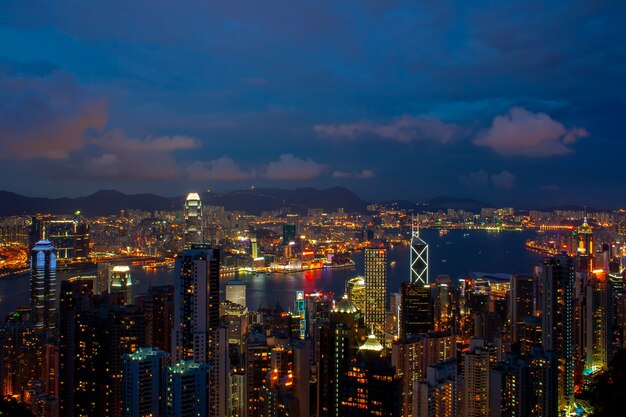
(193, 232)
(70, 237)
(599, 318)
(419, 257)
(339, 339)
(278, 399)
(438, 393)
(235, 318)
(186, 389)
(416, 315)
(43, 266)
(142, 382)
(521, 302)
(444, 305)
(121, 282)
(196, 315)
(557, 320)
(529, 334)
(236, 292)
(369, 385)
(158, 309)
(196, 303)
(257, 367)
(103, 278)
(413, 355)
(20, 354)
(585, 238)
(299, 313)
(376, 290)
(78, 346)
(289, 233)
(355, 290)
(476, 380)
(122, 331)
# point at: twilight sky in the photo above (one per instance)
(513, 102)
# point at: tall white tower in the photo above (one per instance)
(193, 220)
(419, 256)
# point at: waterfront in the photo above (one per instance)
(455, 254)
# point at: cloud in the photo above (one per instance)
(222, 169)
(503, 180)
(475, 179)
(46, 117)
(366, 173)
(524, 133)
(290, 167)
(404, 130)
(119, 141)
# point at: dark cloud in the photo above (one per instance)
(404, 129)
(221, 169)
(503, 180)
(290, 167)
(46, 117)
(366, 173)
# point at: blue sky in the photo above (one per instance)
(518, 102)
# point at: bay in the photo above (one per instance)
(457, 254)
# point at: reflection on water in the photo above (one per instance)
(462, 252)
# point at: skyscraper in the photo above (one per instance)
(121, 282)
(416, 316)
(142, 380)
(355, 290)
(476, 380)
(196, 308)
(186, 389)
(521, 302)
(419, 256)
(43, 266)
(236, 292)
(193, 233)
(557, 319)
(376, 290)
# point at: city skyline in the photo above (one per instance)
(505, 103)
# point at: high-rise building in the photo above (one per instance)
(411, 358)
(557, 320)
(43, 265)
(70, 237)
(158, 309)
(193, 233)
(416, 313)
(236, 292)
(143, 380)
(444, 305)
(438, 393)
(521, 302)
(355, 289)
(121, 282)
(289, 233)
(376, 290)
(339, 339)
(369, 385)
(186, 389)
(419, 256)
(599, 316)
(476, 380)
(196, 303)
(77, 347)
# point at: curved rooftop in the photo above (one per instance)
(193, 196)
(372, 344)
(345, 306)
(43, 245)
